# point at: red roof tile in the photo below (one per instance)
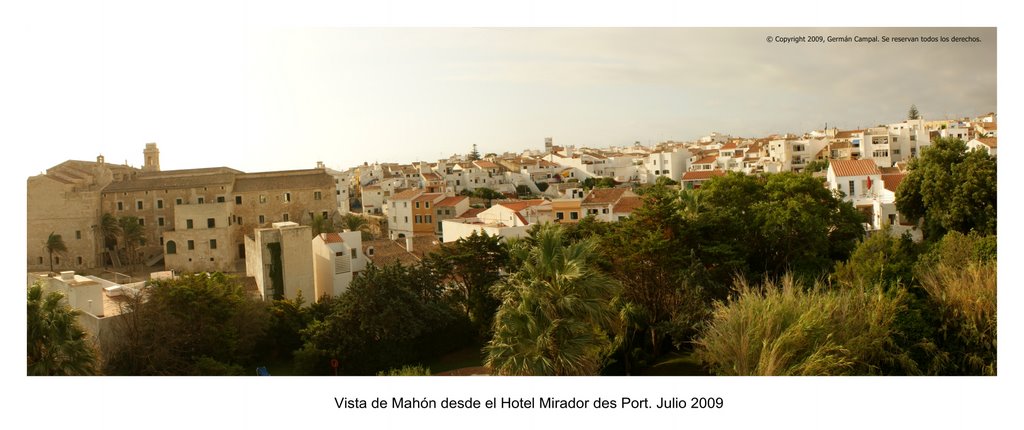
(407, 194)
(861, 167)
(987, 141)
(892, 182)
(451, 201)
(699, 176)
(331, 237)
(628, 204)
(707, 160)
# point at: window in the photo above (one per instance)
(142, 221)
(892, 219)
(213, 243)
(263, 198)
(426, 205)
(40, 260)
(356, 254)
(263, 219)
(56, 260)
(220, 199)
(161, 241)
(284, 217)
(211, 223)
(120, 206)
(440, 227)
(323, 214)
(160, 221)
(177, 201)
(160, 203)
(191, 245)
(317, 195)
(78, 234)
(287, 197)
(238, 220)
(417, 205)
(238, 200)
(188, 223)
(138, 204)
(79, 261)
(419, 219)
(405, 204)
(851, 188)
(429, 219)
(560, 215)
(201, 200)
(406, 219)
(339, 254)
(574, 215)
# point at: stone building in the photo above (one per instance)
(66, 200)
(213, 209)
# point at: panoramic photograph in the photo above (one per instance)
(497, 201)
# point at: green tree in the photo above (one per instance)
(319, 224)
(474, 155)
(488, 194)
(880, 259)
(196, 324)
(390, 316)
(110, 230)
(816, 166)
(950, 189)
(57, 345)
(54, 245)
(913, 113)
(556, 314)
(468, 267)
(133, 236)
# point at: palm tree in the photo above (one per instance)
(54, 244)
(110, 230)
(556, 314)
(56, 344)
(320, 224)
(133, 235)
(356, 223)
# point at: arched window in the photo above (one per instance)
(172, 248)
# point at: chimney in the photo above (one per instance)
(408, 243)
(319, 164)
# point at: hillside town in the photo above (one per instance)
(306, 234)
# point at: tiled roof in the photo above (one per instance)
(988, 141)
(484, 164)
(892, 181)
(287, 180)
(407, 194)
(471, 212)
(522, 204)
(706, 160)
(142, 183)
(331, 238)
(699, 176)
(604, 195)
(429, 196)
(628, 204)
(431, 176)
(730, 145)
(451, 201)
(861, 167)
(387, 251)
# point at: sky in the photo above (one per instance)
(230, 92)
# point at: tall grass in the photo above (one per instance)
(784, 328)
(965, 301)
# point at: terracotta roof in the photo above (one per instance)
(604, 195)
(471, 212)
(987, 141)
(889, 170)
(371, 187)
(287, 180)
(730, 145)
(861, 167)
(429, 196)
(627, 204)
(522, 204)
(407, 194)
(199, 180)
(423, 244)
(387, 251)
(700, 176)
(451, 201)
(892, 181)
(484, 164)
(331, 238)
(990, 126)
(706, 160)
(431, 176)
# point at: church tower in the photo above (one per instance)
(152, 157)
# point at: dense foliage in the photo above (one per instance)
(57, 345)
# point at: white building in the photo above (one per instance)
(337, 258)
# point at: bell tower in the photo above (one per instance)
(152, 156)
